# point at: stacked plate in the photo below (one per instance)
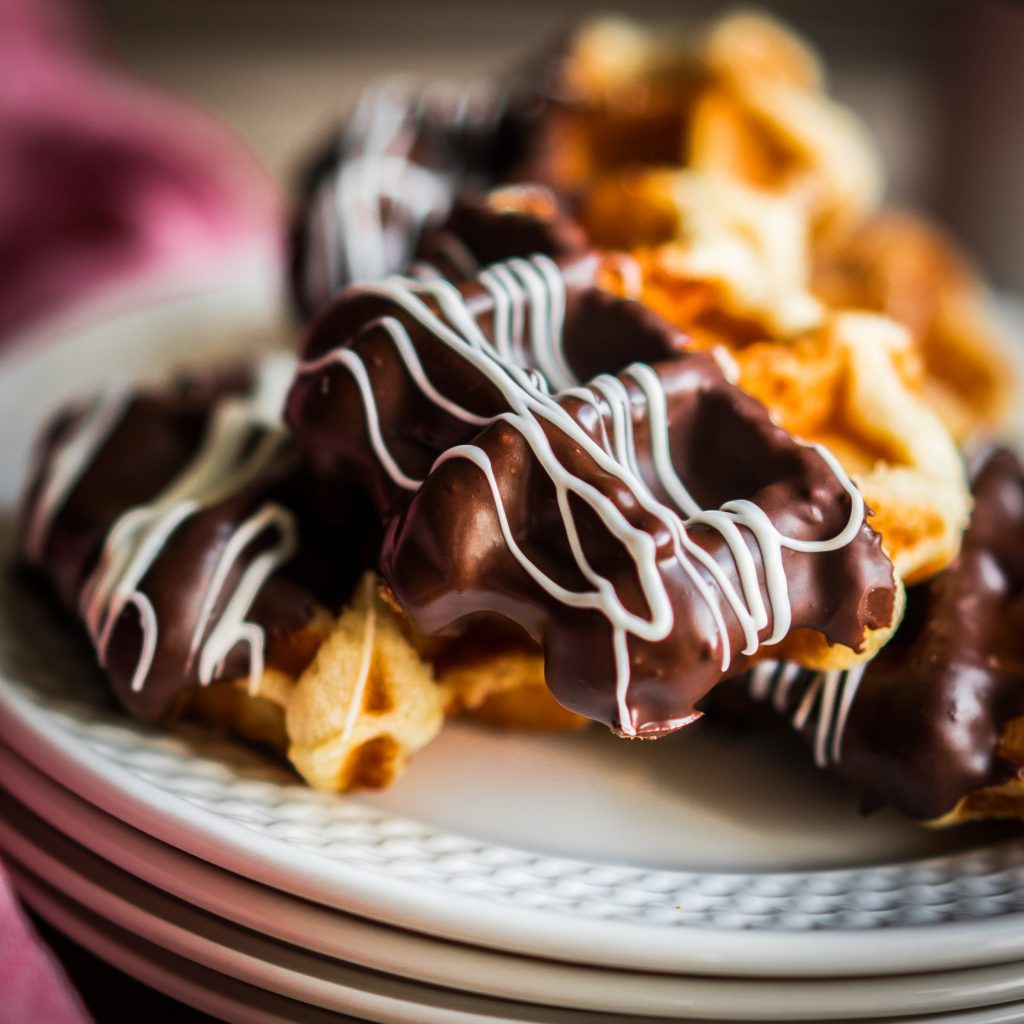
(571, 879)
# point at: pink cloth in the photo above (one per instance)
(100, 177)
(101, 180)
(33, 986)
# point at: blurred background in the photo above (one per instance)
(940, 82)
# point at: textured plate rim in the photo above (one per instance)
(208, 990)
(37, 735)
(98, 887)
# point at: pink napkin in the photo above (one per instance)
(33, 987)
(101, 181)
(102, 178)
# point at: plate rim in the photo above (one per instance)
(35, 792)
(94, 933)
(192, 934)
(32, 848)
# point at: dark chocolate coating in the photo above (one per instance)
(490, 234)
(468, 138)
(601, 334)
(176, 584)
(932, 708)
(447, 563)
(152, 443)
(155, 439)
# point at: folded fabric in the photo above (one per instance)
(33, 987)
(100, 177)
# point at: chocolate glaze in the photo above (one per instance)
(513, 221)
(447, 564)
(176, 585)
(928, 716)
(150, 445)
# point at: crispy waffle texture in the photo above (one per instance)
(898, 264)
(744, 100)
(352, 718)
(766, 120)
(716, 256)
(1003, 801)
(710, 250)
(370, 698)
(848, 385)
(505, 689)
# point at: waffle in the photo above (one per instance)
(351, 719)
(709, 250)
(849, 385)
(743, 101)
(901, 265)
(371, 697)
(505, 690)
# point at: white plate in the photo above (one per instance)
(695, 854)
(234, 1001)
(252, 957)
(249, 956)
(388, 950)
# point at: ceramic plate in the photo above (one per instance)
(697, 854)
(252, 957)
(407, 955)
(232, 1000)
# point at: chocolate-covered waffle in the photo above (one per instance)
(461, 412)
(392, 173)
(933, 725)
(162, 520)
(174, 524)
(849, 380)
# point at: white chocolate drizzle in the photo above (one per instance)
(65, 465)
(355, 705)
(825, 701)
(530, 408)
(243, 438)
(367, 216)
